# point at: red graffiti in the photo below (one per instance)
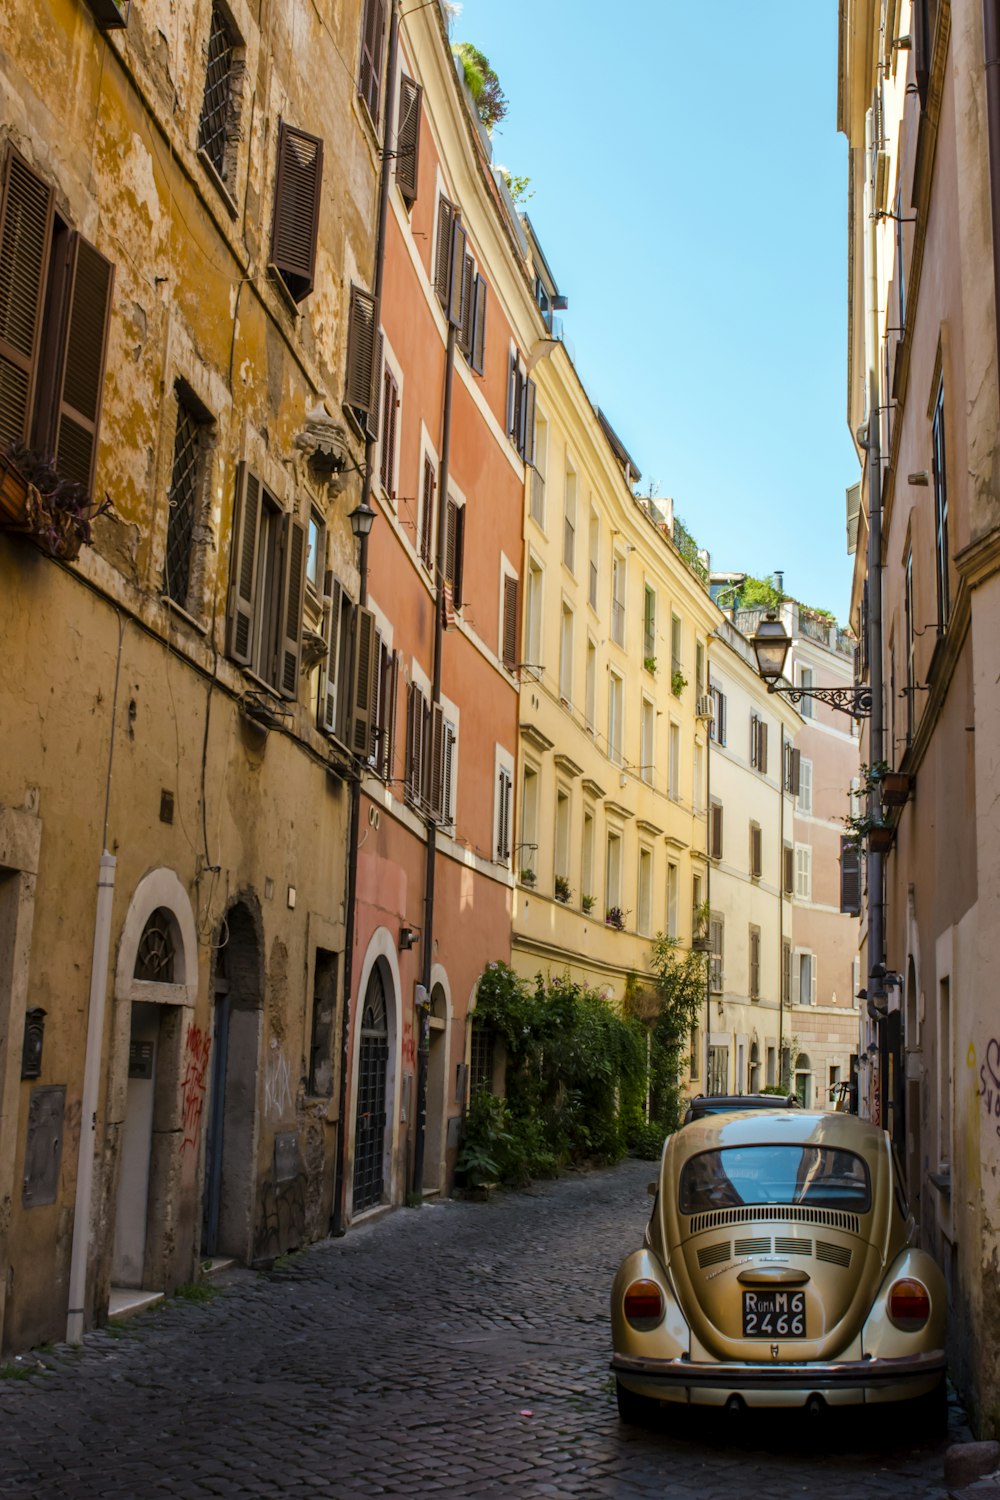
(409, 1048)
(197, 1045)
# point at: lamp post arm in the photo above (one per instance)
(855, 701)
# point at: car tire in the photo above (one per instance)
(637, 1411)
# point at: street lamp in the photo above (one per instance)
(771, 645)
(361, 518)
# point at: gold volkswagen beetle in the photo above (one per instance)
(778, 1269)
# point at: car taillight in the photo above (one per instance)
(909, 1305)
(644, 1302)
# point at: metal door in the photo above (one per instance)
(370, 1120)
(216, 1119)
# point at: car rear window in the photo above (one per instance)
(812, 1176)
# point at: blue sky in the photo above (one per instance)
(690, 192)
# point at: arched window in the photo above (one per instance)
(156, 953)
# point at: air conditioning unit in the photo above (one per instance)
(705, 707)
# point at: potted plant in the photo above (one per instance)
(880, 837)
(615, 917)
(587, 903)
(896, 787)
(527, 877)
(563, 891)
(35, 499)
(678, 682)
(649, 662)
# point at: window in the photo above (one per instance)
(443, 251)
(772, 1066)
(805, 707)
(521, 408)
(537, 495)
(505, 789)
(566, 656)
(940, 508)
(560, 866)
(793, 767)
(388, 439)
(716, 937)
(850, 876)
(717, 725)
(454, 550)
(431, 760)
(805, 979)
(295, 226)
(673, 890)
(786, 972)
(645, 913)
(758, 744)
(335, 701)
(569, 522)
(699, 668)
(323, 1046)
(803, 872)
(910, 648)
(408, 138)
(219, 125)
(186, 497)
(267, 583)
(481, 1061)
(509, 622)
(370, 73)
(805, 800)
(315, 554)
(528, 848)
(715, 830)
(647, 750)
(364, 360)
(674, 763)
(696, 919)
(613, 874)
(383, 717)
(698, 790)
(533, 615)
(676, 665)
(590, 711)
(754, 963)
(649, 625)
(428, 491)
(618, 600)
(788, 870)
(756, 851)
(595, 548)
(615, 690)
(55, 307)
(587, 858)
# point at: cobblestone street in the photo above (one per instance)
(461, 1351)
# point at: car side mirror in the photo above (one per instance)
(652, 1188)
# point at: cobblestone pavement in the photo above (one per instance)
(451, 1353)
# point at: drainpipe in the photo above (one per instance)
(82, 1208)
(338, 1224)
(427, 941)
(781, 913)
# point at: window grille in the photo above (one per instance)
(216, 111)
(183, 501)
(481, 1063)
(154, 959)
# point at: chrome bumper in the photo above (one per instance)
(868, 1374)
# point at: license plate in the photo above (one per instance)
(774, 1314)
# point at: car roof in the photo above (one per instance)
(719, 1102)
(779, 1127)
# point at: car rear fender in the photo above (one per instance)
(880, 1339)
(671, 1337)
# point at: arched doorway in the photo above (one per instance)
(370, 1115)
(436, 1078)
(803, 1080)
(229, 1150)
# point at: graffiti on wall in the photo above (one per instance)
(281, 1217)
(409, 1048)
(277, 1086)
(989, 1082)
(197, 1046)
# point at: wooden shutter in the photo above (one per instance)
(754, 963)
(788, 873)
(437, 760)
(503, 816)
(363, 372)
(411, 97)
(458, 574)
(451, 544)
(427, 512)
(716, 849)
(447, 811)
(456, 277)
(243, 566)
(291, 608)
(467, 323)
(509, 644)
(85, 341)
(25, 242)
(297, 186)
(754, 740)
(381, 654)
(528, 431)
(390, 397)
(513, 397)
(414, 741)
(477, 353)
(365, 661)
(370, 76)
(387, 749)
(762, 747)
(850, 877)
(328, 687)
(794, 774)
(442, 250)
(922, 39)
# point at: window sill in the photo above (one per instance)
(941, 1179)
(179, 610)
(212, 174)
(278, 282)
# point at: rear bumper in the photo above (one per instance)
(675, 1375)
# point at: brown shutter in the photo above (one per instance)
(447, 812)
(437, 759)
(762, 747)
(390, 396)
(509, 645)
(328, 687)
(387, 749)
(528, 433)
(756, 850)
(850, 877)
(920, 22)
(458, 575)
(513, 394)
(788, 880)
(413, 719)
(25, 240)
(427, 513)
(754, 963)
(408, 138)
(296, 209)
(243, 566)
(794, 772)
(381, 655)
(467, 319)
(451, 540)
(716, 849)
(365, 660)
(456, 278)
(291, 607)
(78, 412)
(361, 381)
(479, 327)
(370, 78)
(442, 250)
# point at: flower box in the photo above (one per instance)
(35, 500)
(880, 838)
(896, 787)
(15, 498)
